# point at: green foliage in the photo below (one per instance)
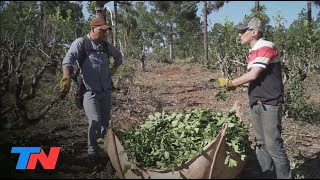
(62, 26)
(296, 105)
(277, 33)
(172, 19)
(160, 54)
(222, 95)
(261, 14)
(68, 11)
(132, 37)
(126, 72)
(299, 49)
(303, 45)
(171, 139)
(33, 34)
(225, 51)
(90, 8)
(49, 7)
(189, 35)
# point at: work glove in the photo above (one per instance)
(224, 82)
(65, 84)
(113, 70)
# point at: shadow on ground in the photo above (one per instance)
(252, 167)
(305, 168)
(308, 167)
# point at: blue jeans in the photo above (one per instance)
(97, 107)
(269, 148)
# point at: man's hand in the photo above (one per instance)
(113, 70)
(224, 82)
(65, 84)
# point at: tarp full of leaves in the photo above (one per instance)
(168, 139)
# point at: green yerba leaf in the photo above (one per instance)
(166, 155)
(162, 145)
(174, 123)
(100, 140)
(243, 157)
(179, 116)
(232, 163)
(126, 168)
(160, 164)
(221, 95)
(220, 121)
(227, 159)
(230, 125)
(186, 117)
(157, 115)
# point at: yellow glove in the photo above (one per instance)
(65, 84)
(224, 82)
(113, 70)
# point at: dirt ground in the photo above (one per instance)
(169, 87)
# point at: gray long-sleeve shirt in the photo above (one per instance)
(95, 69)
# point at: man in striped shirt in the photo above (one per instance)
(265, 98)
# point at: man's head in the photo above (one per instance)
(99, 28)
(250, 30)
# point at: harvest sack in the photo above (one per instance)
(207, 165)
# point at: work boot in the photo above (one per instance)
(268, 175)
(96, 163)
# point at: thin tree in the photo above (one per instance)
(309, 12)
(309, 5)
(100, 11)
(257, 5)
(207, 9)
(205, 34)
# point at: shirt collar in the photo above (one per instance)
(92, 42)
(256, 45)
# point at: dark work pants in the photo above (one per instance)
(266, 121)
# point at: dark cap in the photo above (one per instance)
(100, 22)
(250, 23)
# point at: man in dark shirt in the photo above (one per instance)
(265, 97)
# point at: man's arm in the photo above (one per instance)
(67, 65)
(116, 54)
(74, 53)
(249, 76)
(66, 70)
(117, 57)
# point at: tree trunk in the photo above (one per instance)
(115, 24)
(44, 37)
(205, 36)
(125, 41)
(309, 12)
(171, 46)
(110, 37)
(99, 9)
(257, 6)
(142, 59)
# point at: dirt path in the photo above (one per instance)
(169, 87)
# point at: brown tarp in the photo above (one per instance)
(207, 165)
